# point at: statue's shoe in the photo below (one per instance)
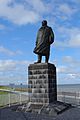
(37, 62)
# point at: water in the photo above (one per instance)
(65, 88)
(73, 97)
(69, 88)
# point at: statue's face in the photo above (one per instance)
(44, 23)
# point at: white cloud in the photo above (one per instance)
(13, 71)
(72, 76)
(9, 52)
(70, 66)
(72, 63)
(66, 9)
(7, 65)
(64, 70)
(17, 13)
(72, 37)
(75, 40)
(68, 59)
(59, 43)
(32, 11)
(62, 11)
(2, 27)
(69, 71)
(68, 75)
(38, 5)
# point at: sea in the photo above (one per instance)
(63, 88)
(69, 88)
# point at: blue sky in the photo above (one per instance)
(19, 23)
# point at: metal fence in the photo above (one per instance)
(11, 97)
(69, 97)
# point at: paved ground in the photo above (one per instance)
(8, 114)
(71, 114)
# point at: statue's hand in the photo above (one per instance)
(51, 39)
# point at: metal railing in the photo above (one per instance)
(69, 97)
(13, 97)
(8, 97)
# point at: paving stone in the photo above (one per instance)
(9, 114)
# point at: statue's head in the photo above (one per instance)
(44, 23)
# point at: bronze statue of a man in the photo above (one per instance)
(45, 38)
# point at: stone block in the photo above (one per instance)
(42, 81)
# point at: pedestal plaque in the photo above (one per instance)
(42, 82)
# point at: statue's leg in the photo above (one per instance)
(47, 58)
(39, 58)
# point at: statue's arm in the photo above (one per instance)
(51, 37)
(52, 34)
(37, 38)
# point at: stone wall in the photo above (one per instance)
(42, 81)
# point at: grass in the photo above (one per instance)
(4, 96)
(23, 89)
(16, 89)
(5, 87)
(2, 92)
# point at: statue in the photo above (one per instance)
(45, 38)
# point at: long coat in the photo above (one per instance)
(45, 37)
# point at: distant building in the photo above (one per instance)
(12, 85)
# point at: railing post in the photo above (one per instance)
(63, 96)
(75, 99)
(9, 99)
(79, 98)
(20, 99)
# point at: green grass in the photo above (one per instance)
(23, 89)
(14, 98)
(5, 87)
(2, 92)
(16, 89)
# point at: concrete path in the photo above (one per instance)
(8, 114)
(71, 114)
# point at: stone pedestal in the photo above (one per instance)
(42, 81)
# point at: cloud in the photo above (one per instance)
(66, 9)
(9, 52)
(62, 11)
(13, 71)
(2, 27)
(68, 59)
(32, 11)
(68, 75)
(72, 37)
(9, 65)
(69, 71)
(71, 63)
(38, 5)
(65, 70)
(75, 40)
(6, 65)
(17, 13)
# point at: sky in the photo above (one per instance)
(19, 23)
